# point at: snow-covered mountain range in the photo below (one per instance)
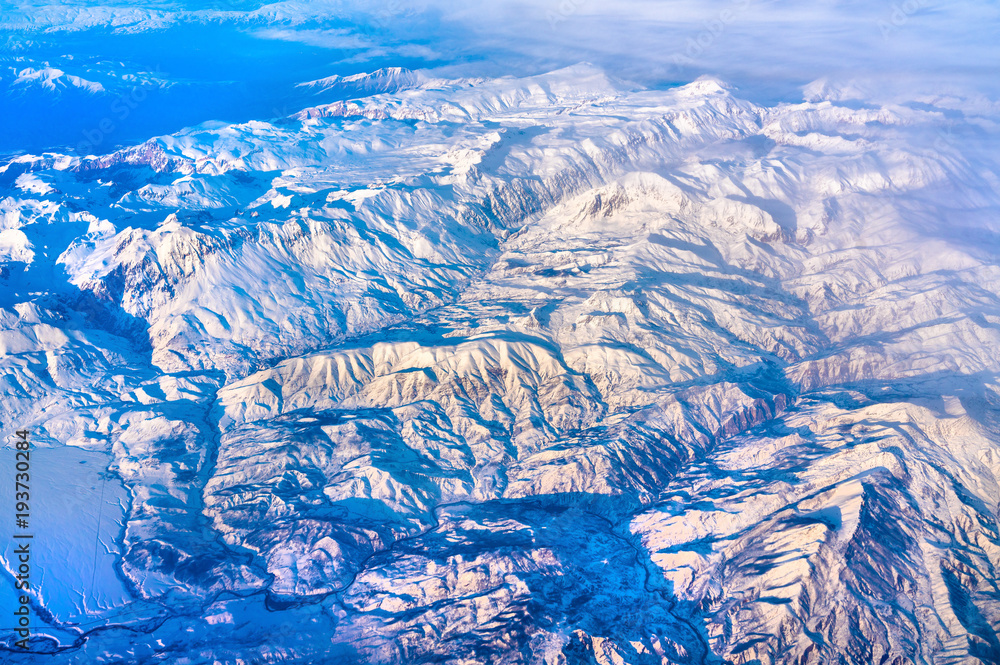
(547, 369)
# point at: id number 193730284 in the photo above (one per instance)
(20, 558)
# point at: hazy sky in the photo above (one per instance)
(651, 41)
(237, 59)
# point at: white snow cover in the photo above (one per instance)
(54, 79)
(545, 369)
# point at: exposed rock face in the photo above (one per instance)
(535, 370)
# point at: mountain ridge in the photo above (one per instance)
(420, 364)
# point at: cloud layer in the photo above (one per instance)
(899, 50)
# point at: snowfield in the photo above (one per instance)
(551, 369)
